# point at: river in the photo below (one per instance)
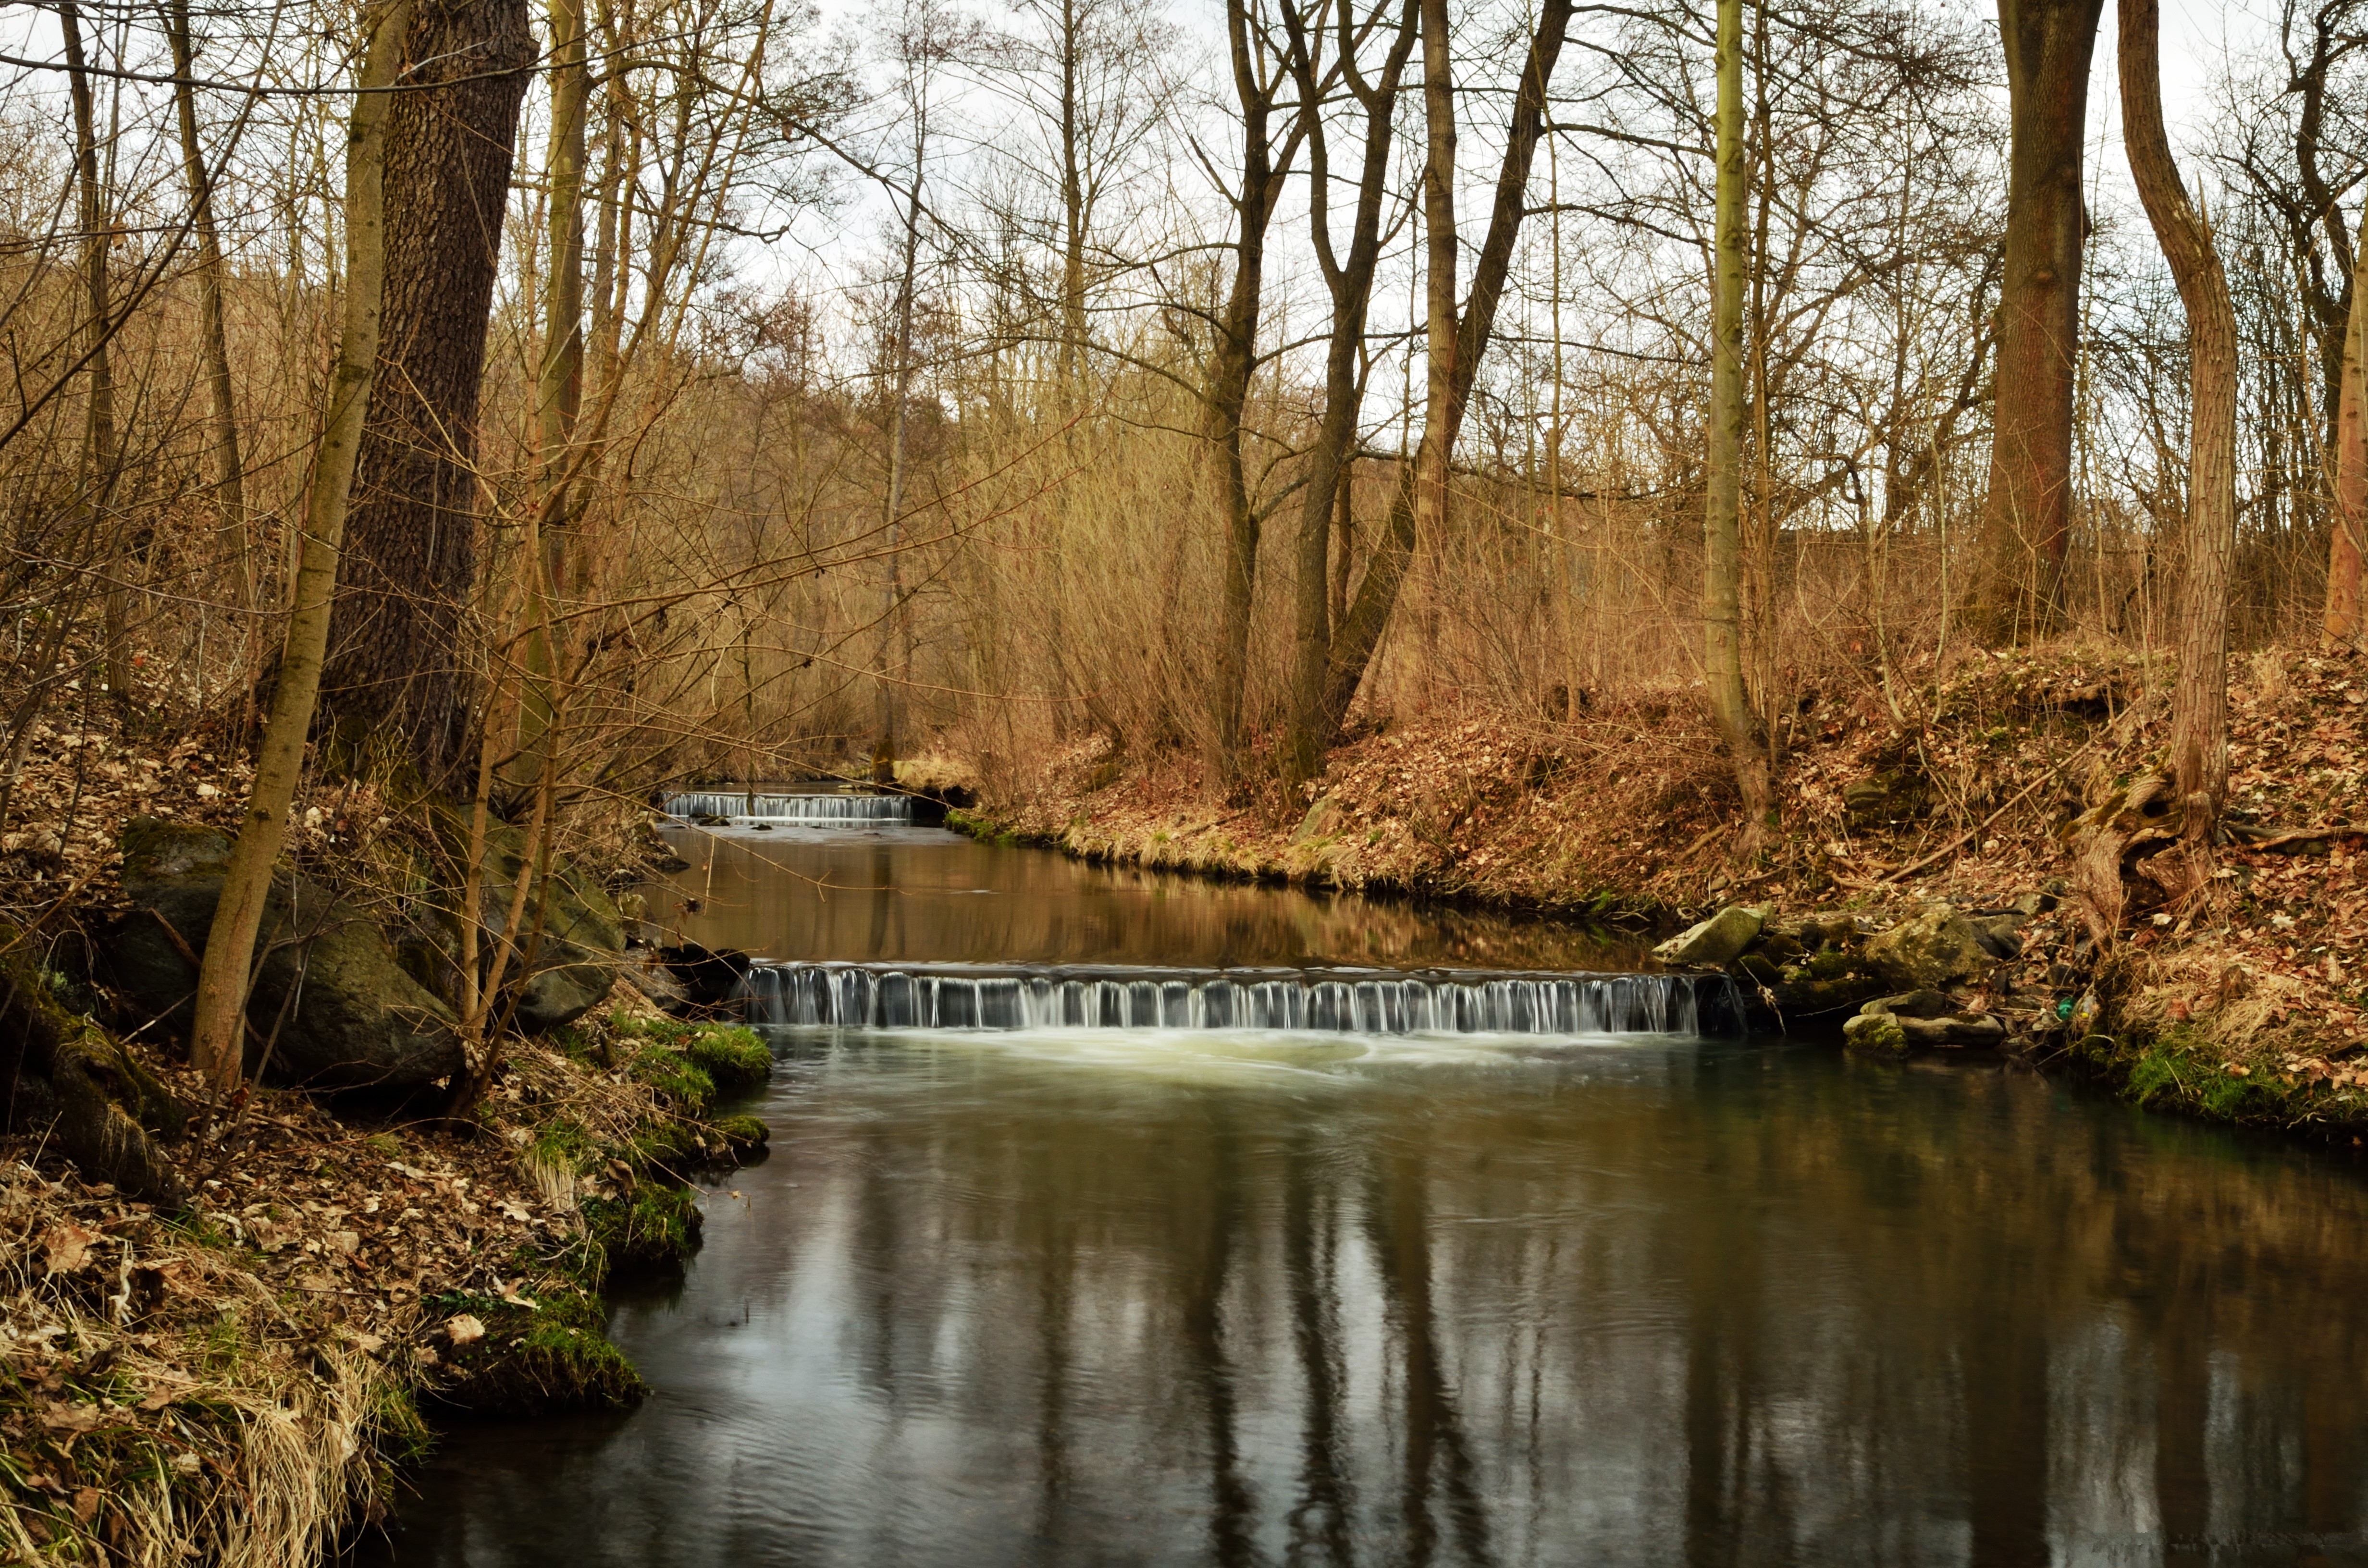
(1063, 1294)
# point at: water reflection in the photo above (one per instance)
(1165, 1299)
(926, 895)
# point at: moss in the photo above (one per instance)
(734, 1058)
(561, 1142)
(673, 1075)
(542, 1360)
(652, 1230)
(2172, 1075)
(744, 1133)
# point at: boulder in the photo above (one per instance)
(64, 1082)
(1889, 797)
(1936, 947)
(1716, 941)
(1875, 1034)
(331, 997)
(572, 937)
(1913, 1005)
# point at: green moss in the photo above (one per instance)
(541, 1361)
(2170, 1074)
(744, 1133)
(564, 1143)
(655, 1229)
(734, 1058)
(673, 1075)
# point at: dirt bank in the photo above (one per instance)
(1966, 786)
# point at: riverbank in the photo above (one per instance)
(226, 1322)
(1965, 786)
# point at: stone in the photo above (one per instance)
(1913, 1005)
(572, 937)
(1999, 935)
(1956, 1032)
(1937, 948)
(1716, 941)
(1886, 798)
(331, 997)
(1875, 1034)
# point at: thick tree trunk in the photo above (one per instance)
(217, 1036)
(2026, 520)
(1359, 631)
(410, 559)
(1723, 517)
(2348, 539)
(2198, 737)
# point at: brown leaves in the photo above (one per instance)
(66, 1247)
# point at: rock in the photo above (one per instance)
(352, 1017)
(1835, 931)
(65, 1081)
(1956, 1032)
(1934, 948)
(1998, 934)
(1321, 821)
(572, 937)
(1716, 941)
(1913, 1005)
(1875, 1034)
(1886, 798)
(744, 1135)
(709, 979)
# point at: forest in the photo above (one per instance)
(1618, 463)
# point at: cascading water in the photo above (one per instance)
(793, 808)
(850, 996)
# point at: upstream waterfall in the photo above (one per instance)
(854, 995)
(819, 807)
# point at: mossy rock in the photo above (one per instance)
(63, 1076)
(1875, 1034)
(331, 995)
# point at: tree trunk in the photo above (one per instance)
(217, 1036)
(1352, 286)
(102, 461)
(900, 391)
(392, 668)
(1359, 631)
(549, 547)
(1226, 395)
(213, 336)
(2199, 733)
(1723, 517)
(2026, 520)
(2348, 539)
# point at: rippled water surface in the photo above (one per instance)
(1097, 1296)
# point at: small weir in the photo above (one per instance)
(818, 807)
(852, 996)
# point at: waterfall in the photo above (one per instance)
(854, 995)
(793, 808)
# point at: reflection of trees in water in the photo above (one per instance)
(1857, 1315)
(891, 897)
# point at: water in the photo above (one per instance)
(845, 996)
(1086, 1295)
(836, 807)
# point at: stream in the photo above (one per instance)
(1118, 1219)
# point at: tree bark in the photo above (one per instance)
(392, 670)
(2199, 733)
(1722, 515)
(1359, 631)
(1225, 397)
(559, 389)
(102, 461)
(1350, 283)
(2027, 518)
(2348, 539)
(213, 336)
(217, 1035)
